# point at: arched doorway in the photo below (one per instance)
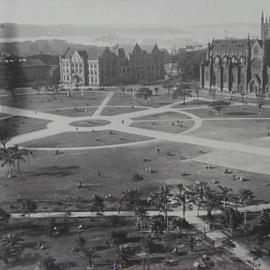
(255, 84)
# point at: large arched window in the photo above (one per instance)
(256, 50)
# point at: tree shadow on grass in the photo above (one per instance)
(25, 260)
(240, 113)
(57, 171)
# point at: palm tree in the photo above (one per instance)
(245, 195)
(225, 194)
(182, 197)
(7, 159)
(17, 156)
(211, 199)
(27, 153)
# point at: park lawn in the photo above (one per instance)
(230, 112)
(129, 100)
(4, 115)
(242, 131)
(97, 234)
(163, 116)
(21, 125)
(74, 112)
(164, 126)
(109, 111)
(194, 103)
(58, 179)
(43, 102)
(89, 123)
(80, 139)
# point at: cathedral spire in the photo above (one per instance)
(262, 18)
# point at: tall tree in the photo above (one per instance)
(225, 191)
(182, 91)
(131, 197)
(144, 93)
(98, 204)
(28, 206)
(245, 195)
(161, 200)
(10, 247)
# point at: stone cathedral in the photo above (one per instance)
(237, 65)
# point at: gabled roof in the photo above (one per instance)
(230, 45)
(137, 49)
(82, 53)
(70, 52)
(155, 50)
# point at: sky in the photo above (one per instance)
(126, 12)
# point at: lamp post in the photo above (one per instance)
(260, 95)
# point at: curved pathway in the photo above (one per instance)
(122, 122)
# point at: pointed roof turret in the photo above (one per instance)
(262, 18)
(155, 49)
(137, 49)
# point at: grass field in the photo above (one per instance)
(128, 100)
(231, 112)
(58, 179)
(48, 102)
(74, 112)
(244, 131)
(119, 110)
(164, 126)
(89, 123)
(163, 116)
(22, 125)
(79, 139)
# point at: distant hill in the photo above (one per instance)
(54, 39)
(12, 30)
(46, 47)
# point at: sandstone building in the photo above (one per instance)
(237, 65)
(111, 68)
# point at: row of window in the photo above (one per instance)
(93, 79)
(66, 77)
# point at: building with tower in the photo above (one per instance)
(111, 68)
(238, 65)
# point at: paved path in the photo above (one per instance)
(102, 105)
(122, 123)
